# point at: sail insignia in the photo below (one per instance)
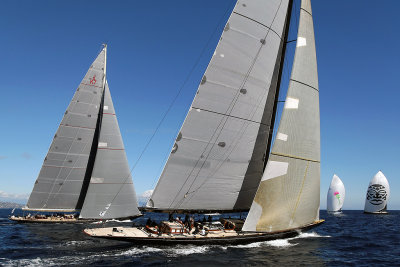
(378, 194)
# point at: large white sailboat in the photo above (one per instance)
(222, 160)
(85, 170)
(377, 195)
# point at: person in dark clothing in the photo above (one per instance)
(170, 218)
(209, 218)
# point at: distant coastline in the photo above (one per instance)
(10, 205)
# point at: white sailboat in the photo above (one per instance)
(223, 159)
(336, 195)
(85, 170)
(377, 195)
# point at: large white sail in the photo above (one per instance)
(336, 195)
(59, 184)
(289, 193)
(111, 193)
(218, 157)
(377, 194)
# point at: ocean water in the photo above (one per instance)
(348, 239)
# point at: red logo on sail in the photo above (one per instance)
(93, 80)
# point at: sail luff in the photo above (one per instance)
(59, 182)
(208, 163)
(111, 193)
(288, 195)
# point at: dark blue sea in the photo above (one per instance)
(349, 239)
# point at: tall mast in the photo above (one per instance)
(278, 87)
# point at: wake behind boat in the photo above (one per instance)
(222, 160)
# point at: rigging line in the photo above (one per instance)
(176, 96)
(233, 103)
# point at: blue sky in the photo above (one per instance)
(47, 47)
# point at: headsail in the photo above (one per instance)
(288, 195)
(336, 195)
(58, 186)
(218, 157)
(111, 193)
(378, 194)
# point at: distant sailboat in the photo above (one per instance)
(222, 161)
(377, 195)
(86, 169)
(336, 195)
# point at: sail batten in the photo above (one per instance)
(288, 194)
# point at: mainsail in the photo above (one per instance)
(377, 194)
(111, 193)
(58, 187)
(288, 194)
(336, 195)
(86, 168)
(219, 155)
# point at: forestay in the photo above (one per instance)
(60, 180)
(288, 195)
(218, 158)
(111, 193)
(336, 195)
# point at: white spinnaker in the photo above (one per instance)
(377, 194)
(289, 192)
(336, 195)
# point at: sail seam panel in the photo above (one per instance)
(230, 116)
(269, 28)
(294, 157)
(306, 11)
(305, 84)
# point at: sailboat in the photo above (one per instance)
(336, 195)
(85, 170)
(222, 159)
(377, 195)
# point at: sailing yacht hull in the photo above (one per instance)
(140, 237)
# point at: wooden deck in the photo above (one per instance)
(139, 235)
